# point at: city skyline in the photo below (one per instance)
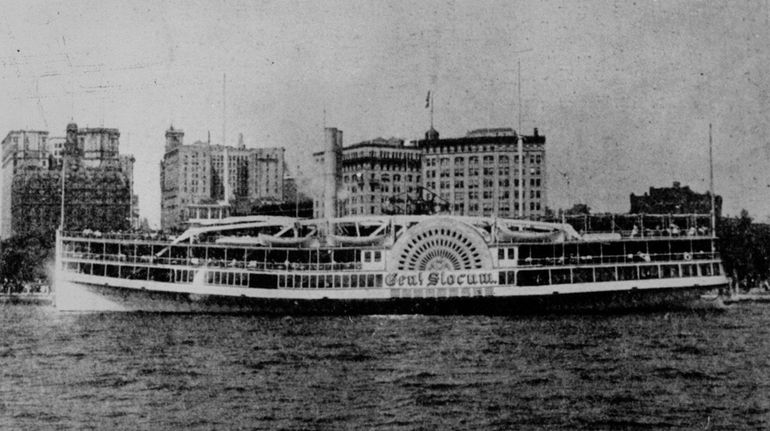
(625, 92)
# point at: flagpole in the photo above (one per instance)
(431, 108)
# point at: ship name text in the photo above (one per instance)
(442, 278)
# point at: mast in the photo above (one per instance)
(519, 76)
(63, 174)
(224, 109)
(520, 168)
(520, 149)
(711, 184)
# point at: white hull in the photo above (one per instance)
(78, 292)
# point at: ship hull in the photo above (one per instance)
(88, 296)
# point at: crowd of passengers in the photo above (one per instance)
(588, 259)
(671, 230)
(222, 263)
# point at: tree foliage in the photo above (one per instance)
(745, 247)
(25, 258)
(578, 209)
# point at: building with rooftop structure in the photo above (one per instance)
(482, 174)
(477, 175)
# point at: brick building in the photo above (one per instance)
(472, 175)
(675, 200)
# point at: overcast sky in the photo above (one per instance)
(623, 91)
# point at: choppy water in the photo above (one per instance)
(150, 371)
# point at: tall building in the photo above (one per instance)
(96, 188)
(202, 181)
(23, 151)
(378, 176)
(485, 173)
(478, 174)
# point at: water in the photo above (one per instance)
(150, 371)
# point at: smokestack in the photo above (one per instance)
(332, 151)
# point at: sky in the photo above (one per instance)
(624, 91)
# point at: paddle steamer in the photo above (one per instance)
(385, 264)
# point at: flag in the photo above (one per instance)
(427, 100)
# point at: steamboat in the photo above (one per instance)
(438, 264)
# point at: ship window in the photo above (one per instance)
(378, 280)
(377, 256)
(648, 271)
(605, 274)
(501, 253)
(321, 281)
(264, 281)
(669, 271)
(533, 278)
(717, 269)
(510, 279)
(705, 269)
(583, 275)
(289, 281)
(112, 271)
(688, 270)
(367, 256)
(560, 276)
(345, 281)
(337, 281)
(281, 281)
(627, 273)
(353, 281)
(329, 280)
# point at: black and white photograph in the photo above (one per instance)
(385, 215)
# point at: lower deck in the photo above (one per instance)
(83, 296)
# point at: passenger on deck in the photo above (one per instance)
(674, 230)
(634, 231)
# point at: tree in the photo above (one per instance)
(745, 247)
(579, 209)
(25, 258)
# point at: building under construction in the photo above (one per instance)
(96, 188)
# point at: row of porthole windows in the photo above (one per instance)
(603, 274)
(320, 281)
